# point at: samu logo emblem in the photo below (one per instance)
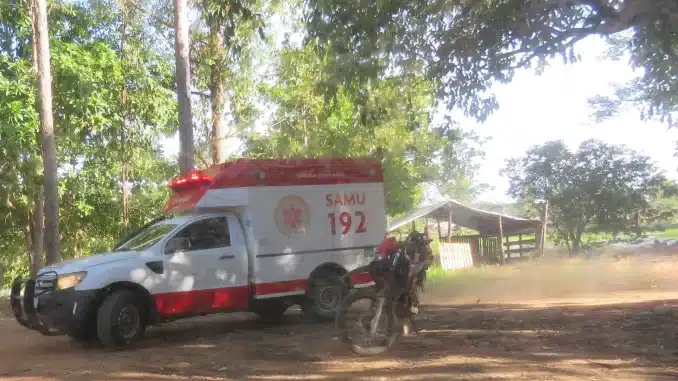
(292, 216)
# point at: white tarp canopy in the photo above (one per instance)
(485, 222)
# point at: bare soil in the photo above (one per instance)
(610, 336)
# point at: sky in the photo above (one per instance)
(534, 109)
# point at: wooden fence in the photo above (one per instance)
(520, 249)
(482, 249)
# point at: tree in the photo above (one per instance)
(183, 67)
(223, 63)
(388, 120)
(599, 187)
(460, 161)
(662, 209)
(653, 94)
(42, 56)
(87, 76)
(464, 47)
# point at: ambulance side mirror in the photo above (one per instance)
(176, 244)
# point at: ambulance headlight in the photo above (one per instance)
(67, 281)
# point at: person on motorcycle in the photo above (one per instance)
(418, 256)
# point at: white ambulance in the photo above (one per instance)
(247, 235)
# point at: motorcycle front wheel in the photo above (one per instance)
(358, 313)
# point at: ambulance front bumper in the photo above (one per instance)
(38, 305)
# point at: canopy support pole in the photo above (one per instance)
(502, 260)
(449, 226)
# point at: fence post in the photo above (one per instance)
(501, 243)
(440, 232)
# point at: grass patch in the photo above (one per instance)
(667, 234)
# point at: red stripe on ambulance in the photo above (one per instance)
(202, 301)
(230, 298)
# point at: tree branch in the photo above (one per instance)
(199, 93)
(157, 18)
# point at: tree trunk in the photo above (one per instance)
(51, 207)
(542, 229)
(28, 235)
(576, 246)
(639, 230)
(576, 243)
(37, 235)
(217, 93)
(34, 36)
(123, 142)
(303, 119)
(568, 246)
(36, 220)
(183, 87)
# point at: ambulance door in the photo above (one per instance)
(212, 249)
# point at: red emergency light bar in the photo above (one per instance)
(190, 180)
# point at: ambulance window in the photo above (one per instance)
(210, 233)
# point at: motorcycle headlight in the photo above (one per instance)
(70, 280)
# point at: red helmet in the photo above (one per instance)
(388, 246)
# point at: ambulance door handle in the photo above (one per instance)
(231, 256)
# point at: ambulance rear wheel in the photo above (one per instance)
(324, 296)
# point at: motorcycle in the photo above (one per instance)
(399, 273)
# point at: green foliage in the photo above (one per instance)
(388, 119)
(464, 47)
(460, 160)
(88, 80)
(599, 187)
(230, 62)
(668, 234)
(653, 47)
(662, 208)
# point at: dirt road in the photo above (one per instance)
(630, 336)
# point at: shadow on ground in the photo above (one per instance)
(481, 341)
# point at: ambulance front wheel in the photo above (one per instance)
(120, 320)
(324, 296)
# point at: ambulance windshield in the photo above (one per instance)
(146, 238)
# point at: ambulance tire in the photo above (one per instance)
(271, 310)
(120, 320)
(314, 305)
